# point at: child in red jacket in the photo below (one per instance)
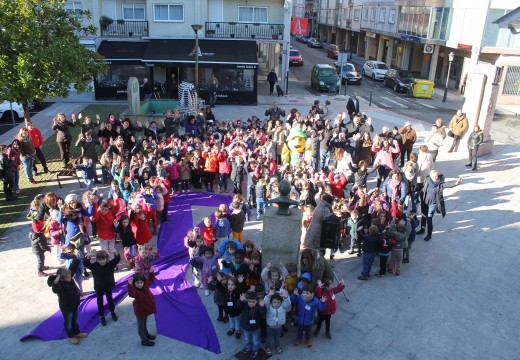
(208, 231)
(326, 289)
(337, 183)
(104, 216)
(144, 304)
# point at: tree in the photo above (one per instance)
(40, 52)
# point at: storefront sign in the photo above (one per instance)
(370, 35)
(464, 47)
(411, 38)
(246, 66)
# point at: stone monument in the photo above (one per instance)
(282, 229)
(133, 96)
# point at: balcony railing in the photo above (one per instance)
(122, 28)
(244, 30)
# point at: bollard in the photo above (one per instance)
(370, 99)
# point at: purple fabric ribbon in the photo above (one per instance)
(178, 302)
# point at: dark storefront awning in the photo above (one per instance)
(123, 51)
(161, 52)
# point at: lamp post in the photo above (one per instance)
(451, 55)
(196, 28)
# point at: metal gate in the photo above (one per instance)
(512, 81)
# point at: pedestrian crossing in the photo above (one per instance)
(393, 101)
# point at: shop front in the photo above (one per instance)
(124, 60)
(233, 63)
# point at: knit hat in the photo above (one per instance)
(38, 226)
(71, 197)
(54, 214)
(307, 276)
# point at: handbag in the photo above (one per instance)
(450, 133)
(77, 240)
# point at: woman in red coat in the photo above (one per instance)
(144, 304)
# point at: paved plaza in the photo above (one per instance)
(456, 299)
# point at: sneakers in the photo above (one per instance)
(469, 165)
(297, 342)
(81, 335)
(149, 336)
(427, 238)
(245, 350)
(268, 351)
(253, 355)
(278, 349)
(73, 340)
(309, 343)
(379, 275)
(42, 274)
(362, 277)
(397, 272)
(406, 261)
(220, 318)
(147, 343)
(114, 316)
(103, 321)
(420, 232)
(230, 332)
(206, 292)
(237, 334)
(389, 270)
(316, 332)
(327, 334)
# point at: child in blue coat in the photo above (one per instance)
(307, 305)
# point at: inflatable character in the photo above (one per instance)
(294, 148)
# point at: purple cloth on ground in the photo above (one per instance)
(180, 312)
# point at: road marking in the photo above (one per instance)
(384, 105)
(395, 102)
(429, 106)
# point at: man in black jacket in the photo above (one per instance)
(275, 113)
(353, 106)
(357, 125)
(6, 175)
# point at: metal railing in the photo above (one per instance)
(125, 28)
(244, 30)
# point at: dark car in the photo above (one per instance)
(399, 80)
(298, 37)
(314, 43)
(304, 39)
(333, 50)
(295, 58)
(349, 74)
(324, 77)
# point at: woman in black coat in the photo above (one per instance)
(474, 141)
(63, 136)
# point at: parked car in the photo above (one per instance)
(304, 39)
(399, 80)
(5, 111)
(323, 77)
(314, 43)
(333, 50)
(298, 37)
(375, 69)
(349, 73)
(295, 58)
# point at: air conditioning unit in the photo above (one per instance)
(428, 48)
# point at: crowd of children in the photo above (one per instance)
(144, 172)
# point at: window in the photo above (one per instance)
(391, 16)
(356, 14)
(382, 13)
(170, 13)
(373, 14)
(252, 14)
(74, 7)
(133, 12)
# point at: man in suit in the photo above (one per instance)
(353, 106)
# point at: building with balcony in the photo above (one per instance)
(418, 35)
(155, 39)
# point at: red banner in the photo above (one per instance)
(300, 26)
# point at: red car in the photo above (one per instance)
(295, 58)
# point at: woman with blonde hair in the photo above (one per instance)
(27, 153)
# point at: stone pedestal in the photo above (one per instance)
(133, 96)
(281, 237)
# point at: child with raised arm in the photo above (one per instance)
(277, 305)
(103, 272)
(307, 305)
(210, 265)
(144, 304)
(68, 299)
(253, 310)
(325, 289)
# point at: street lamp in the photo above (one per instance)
(196, 28)
(451, 55)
